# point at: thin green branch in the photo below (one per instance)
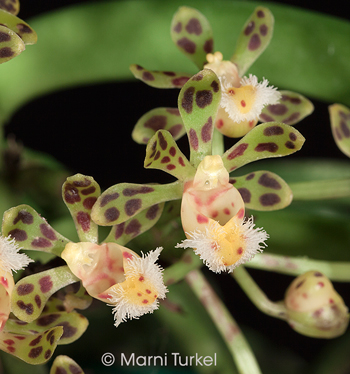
(226, 325)
(218, 147)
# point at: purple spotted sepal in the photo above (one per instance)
(263, 190)
(158, 119)
(31, 231)
(11, 45)
(160, 79)
(123, 201)
(271, 139)
(198, 103)
(291, 109)
(10, 6)
(192, 34)
(254, 38)
(64, 364)
(80, 193)
(340, 124)
(21, 28)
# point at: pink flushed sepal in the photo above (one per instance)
(7, 285)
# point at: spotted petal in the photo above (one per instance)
(128, 230)
(160, 79)
(198, 102)
(158, 119)
(271, 139)
(80, 193)
(192, 34)
(11, 6)
(31, 231)
(254, 38)
(163, 153)
(263, 190)
(123, 201)
(34, 348)
(32, 292)
(64, 364)
(11, 45)
(21, 28)
(340, 124)
(291, 109)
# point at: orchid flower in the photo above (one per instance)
(244, 100)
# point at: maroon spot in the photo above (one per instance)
(208, 46)
(320, 284)
(165, 160)
(47, 355)
(52, 339)
(9, 342)
(145, 301)
(249, 29)
(6, 52)
(156, 123)
(141, 279)
(187, 100)
(11, 349)
(83, 220)
(194, 27)
(133, 228)
(240, 250)
(25, 289)
(18, 235)
(345, 129)
(265, 117)
(180, 81)
(269, 199)
(266, 147)
(38, 301)
(28, 308)
(318, 274)
(175, 130)
(289, 145)
(254, 42)
(266, 181)
(22, 323)
(299, 284)
(245, 193)
(172, 151)
(263, 30)
(170, 167)
(250, 176)
(178, 27)
(157, 156)
(169, 73)
(26, 217)
(202, 219)
(152, 212)
(238, 151)
(89, 202)
(132, 206)
(147, 76)
(83, 183)
(24, 28)
(68, 329)
(197, 77)
(206, 131)
(162, 142)
(181, 161)
(292, 136)
(45, 284)
(193, 139)
(47, 231)
(173, 111)
(215, 86)
(48, 320)
(260, 14)
(293, 117)
(188, 45)
(35, 341)
(35, 352)
(295, 100)
(41, 243)
(277, 109)
(134, 191)
(71, 194)
(88, 191)
(111, 214)
(49, 335)
(204, 98)
(273, 130)
(74, 369)
(119, 230)
(107, 198)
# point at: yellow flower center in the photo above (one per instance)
(139, 291)
(243, 97)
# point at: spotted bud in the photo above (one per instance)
(314, 307)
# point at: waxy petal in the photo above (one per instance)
(11, 45)
(64, 364)
(340, 124)
(11, 6)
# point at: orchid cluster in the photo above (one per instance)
(209, 207)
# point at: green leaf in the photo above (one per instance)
(191, 32)
(254, 38)
(198, 103)
(31, 293)
(64, 364)
(80, 193)
(163, 153)
(11, 6)
(31, 231)
(291, 109)
(123, 201)
(160, 79)
(128, 230)
(263, 190)
(11, 45)
(271, 139)
(158, 119)
(340, 124)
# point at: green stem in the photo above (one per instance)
(218, 147)
(321, 189)
(226, 325)
(338, 271)
(257, 296)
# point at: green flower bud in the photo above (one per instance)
(314, 308)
